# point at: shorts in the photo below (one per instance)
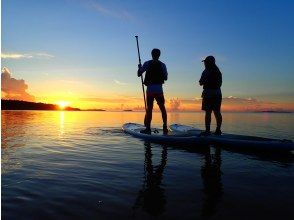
(159, 97)
(212, 103)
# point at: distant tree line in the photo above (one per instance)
(24, 105)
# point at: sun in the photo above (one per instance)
(62, 104)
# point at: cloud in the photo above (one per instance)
(249, 100)
(26, 55)
(110, 12)
(190, 101)
(12, 88)
(230, 103)
(43, 55)
(120, 83)
(15, 56)
(175, 104)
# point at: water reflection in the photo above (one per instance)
(212, 185)
(61, 128)
(151, 197)
(174, 117)
(14, 126)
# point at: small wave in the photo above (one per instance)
(104, 131)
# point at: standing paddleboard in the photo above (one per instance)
(238, 141)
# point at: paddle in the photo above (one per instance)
(141, 79)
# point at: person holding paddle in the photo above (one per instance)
(156, 74)
(211, 80)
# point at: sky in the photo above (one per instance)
(84, 52)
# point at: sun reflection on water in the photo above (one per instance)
(61, 124)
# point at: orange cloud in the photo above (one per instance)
(12, 88)
(174, 104)
(230, 103)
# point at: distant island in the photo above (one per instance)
(128, 110)
(273, 111)
(94, 110)
(24, 105)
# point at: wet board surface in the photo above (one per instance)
(157, 135)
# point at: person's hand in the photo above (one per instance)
(139, 66)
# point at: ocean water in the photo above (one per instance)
(80, 165)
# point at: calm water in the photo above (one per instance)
(79, 165)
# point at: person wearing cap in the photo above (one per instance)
(156, 74)
(211, 80)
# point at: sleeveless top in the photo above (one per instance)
(154, 74)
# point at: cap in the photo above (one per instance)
(209, 59)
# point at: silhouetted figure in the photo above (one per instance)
(156, 74)
(212, 185)
(211, 80)
(151, 198)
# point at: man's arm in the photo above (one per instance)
(221, 79)
(142, 69)
(164, 71)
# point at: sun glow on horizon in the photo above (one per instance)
(62, 104)
(229, 104)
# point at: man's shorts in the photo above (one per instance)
(212, 103)
(159, 97)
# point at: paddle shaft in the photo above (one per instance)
(141, 75)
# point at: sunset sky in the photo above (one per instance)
(84, 51)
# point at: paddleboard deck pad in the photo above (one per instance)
(157, 135)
